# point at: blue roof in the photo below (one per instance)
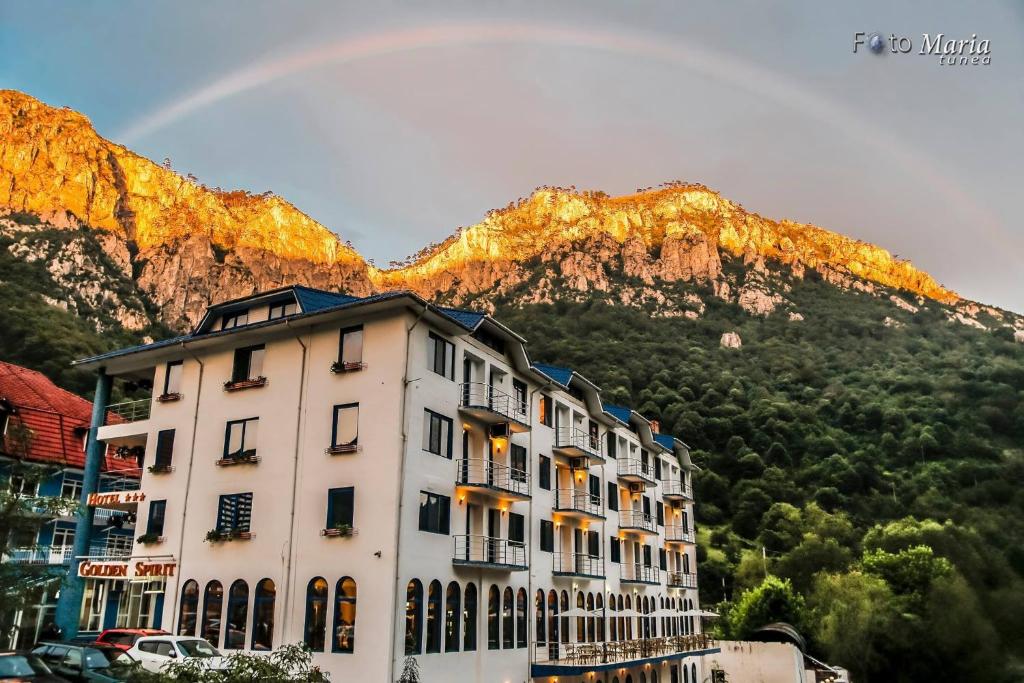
(618, 412)
(317, 299)
(468, 319)
(556, 373)
(666, 440)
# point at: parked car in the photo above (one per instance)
(86, 663)
(124, 638)
(156, 652)
(25, 666)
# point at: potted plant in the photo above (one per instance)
(339, 529)
(159, 468)
(147, 538)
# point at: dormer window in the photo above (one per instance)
(283, 309)
(236, 319)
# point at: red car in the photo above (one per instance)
(124, 638)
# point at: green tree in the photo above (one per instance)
(773, 600)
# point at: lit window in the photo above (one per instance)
(316, 614)
(344, 616)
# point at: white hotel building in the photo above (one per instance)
(381, 477)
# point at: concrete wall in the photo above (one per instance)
(752, 662)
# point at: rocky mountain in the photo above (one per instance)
(183, 244)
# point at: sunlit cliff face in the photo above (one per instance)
(226, 244)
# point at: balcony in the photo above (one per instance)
(578, 504)
(127, 424)
(42, 555)
(492, 478)
(132, 411)
(676, 490)
(635, 471)
(574, 442)
(637, 521)
(682, 580)
(640, 573)
(491, 406)
(551, 659)
(578, 565)
(679, 534)
(120, 480)
(489, 553)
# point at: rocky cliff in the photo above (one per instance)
(185, 245)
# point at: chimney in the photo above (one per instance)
(655, 426)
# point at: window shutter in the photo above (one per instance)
(593, 543)
(661, 514)
(662, 560)
(616, 551)
(164, 447)
(613, 496)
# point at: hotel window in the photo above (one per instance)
(616, 550)
(521, 618)
(657, 468)
(451, 617)
(517, 459)
(340, 507)
(345, 428)
(508, 629)
(234, 512)
(316, 614)
(213, 603)
(545, 410)
(350, 347)
(441, 356)
(344, 616)
(434, 617)
(437, 434)
(613, 496)
(248, 363)
(172, 377)
(661, 514)
(155, 521)
(612, 443)
(519, 394)
(593, 544)
(165, 449)
(19, 486)
(413, 617)
(263, 616)
(493, 599)
(540, 622)
(434, 513)
(71, 487)
(544, 469)
(515, 528)
(189, 609)
(469, 619)
(662, 559)
(547, 535)
(240, 438)
(283, 309)
(237, 616)
(647, 555)
(237, 319)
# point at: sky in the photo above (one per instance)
(393, 123)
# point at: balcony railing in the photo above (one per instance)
(579, 564)
(576, 441)
(483, 473)
(618, 651)
(573, 500)
(640, 573)
(679, 534)
(487, 550)
(671, 488)
(480, 396)
(132, 411)
(120, 480)
(682, 580)
(42, 554)
(632, 468)
(635, 519)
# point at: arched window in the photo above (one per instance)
(213, 603)
(581, 622)
(686, 674)
(413, 617)
(434, 617)
(508, 635)
(344, 639)
(452, 599)
(613, 621)
(693, 673)
(599, 606)
(540, 627)
(316, 614)
(189, 608)
(629, 620)
(521, 618)
(642, 677)
(564, 607)
(654, 676)
(263, 615)
(469, 612)
(553, 622)
(591, 620)
(238, 615)
(493, 598)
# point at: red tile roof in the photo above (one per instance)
(57, 419)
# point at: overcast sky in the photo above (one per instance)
(394, 123)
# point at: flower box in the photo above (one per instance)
(342, 448)
(215, 536)
(149, 539)
(245, 384)
(160, 469)
(168, 398)
(337, 367)
(343, 530)
(247, 458)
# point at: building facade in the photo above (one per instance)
(382, 478)
(44, 425)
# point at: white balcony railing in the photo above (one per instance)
(470, 549)
(578, 564)
(495, 475)
(671, 487)
(132, 411)
(618, 651)
(57, 554)
(578, 440)
(634, 467)
(679, 534)
(483, 396)
(578, 501)
(636, 519)
(682, 580)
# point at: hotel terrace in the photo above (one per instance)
(382, 478)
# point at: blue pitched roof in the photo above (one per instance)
(666, 440)
(317, 299)
(468, 319)
(556, 373)
(618, 412)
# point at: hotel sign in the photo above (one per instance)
(115, 498)
(140, 569)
